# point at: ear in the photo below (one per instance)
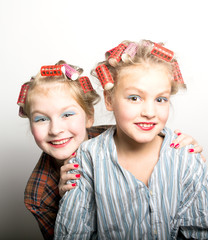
(108, 101)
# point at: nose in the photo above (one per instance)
(148, 109)
(56, 127)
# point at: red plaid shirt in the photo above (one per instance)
(42, 193)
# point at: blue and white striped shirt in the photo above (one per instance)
(110, 203)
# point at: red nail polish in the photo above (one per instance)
(73, 154)
(77, 175)
(172, 145)
(76, 165)
(178, 134)
(177, 145)
(74, 184)
(191, 150)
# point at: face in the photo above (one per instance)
(58, 123)
(140, 102)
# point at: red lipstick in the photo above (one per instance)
(146, 126)
(60, 143)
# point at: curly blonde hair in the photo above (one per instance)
(143, 56)
(44, 84)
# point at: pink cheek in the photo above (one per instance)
(164, 117)
(128, 114)
(37, 134)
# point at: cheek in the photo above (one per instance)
(125, 112)
(164, 114)
(38, 133)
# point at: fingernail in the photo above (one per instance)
(177, 145)
(74, 184)
(172, 145)
(73, 154)
(191, 150)
(76, 165)
(178, 134)
(77, 175)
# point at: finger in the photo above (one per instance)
(196, 149)
(177, 132)
(186, 138)
(179, 142)
(69, 176)
(68, 167)
(183, 140)
(66, 187)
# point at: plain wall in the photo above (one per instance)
(41, 32)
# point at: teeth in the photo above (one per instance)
(145, 125)
(60, 142)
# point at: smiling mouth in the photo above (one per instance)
(146, 126)
(60, 142)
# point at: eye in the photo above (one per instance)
(68, 114)
(40, 119)
(134, 98)
(161, 99)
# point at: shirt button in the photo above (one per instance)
(151, 193)
(155, 231)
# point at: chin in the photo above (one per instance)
(145, 139)
(61, 157)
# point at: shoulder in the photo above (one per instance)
(169, 136)
(92, 151)
(42, 179)
(99, 141)
(187, 164)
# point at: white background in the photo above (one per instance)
(41, 32)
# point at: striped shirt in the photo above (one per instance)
(110, 203)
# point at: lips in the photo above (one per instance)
(60, 143)
(146, 126)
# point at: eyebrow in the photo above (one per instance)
(61, 110)
(141, 91)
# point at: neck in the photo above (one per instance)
(129, 148)
(138, 158)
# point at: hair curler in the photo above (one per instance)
(115, 55)
(177, 73)
(52, 70)
(86, 84)
(104, 76)
(162, 52)
(70, 72)
(129, 52)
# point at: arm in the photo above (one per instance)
(46, 220)
(76, 218)
(41, 195)
(192, 216)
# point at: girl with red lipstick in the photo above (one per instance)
(59, 104)
(61, 114)
(134, 186)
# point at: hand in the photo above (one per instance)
(65, 176)
(183, 140)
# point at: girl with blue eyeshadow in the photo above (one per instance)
(59, 104)
(61, 115)
(134, 185)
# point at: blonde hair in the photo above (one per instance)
(47, 83)
(143, 56)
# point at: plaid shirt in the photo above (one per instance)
(42, 193)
